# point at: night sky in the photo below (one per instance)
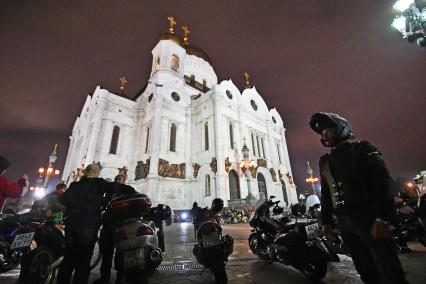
(304, 56)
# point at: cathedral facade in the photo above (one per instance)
(180, 140)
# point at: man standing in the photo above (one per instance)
(355, 187)
(83, 201)
(109, 226)
(7, 188)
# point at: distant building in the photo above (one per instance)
(180, 139)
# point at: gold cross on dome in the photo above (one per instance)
(247, 77)
(123, 82)
(186, 33)
(172, 23)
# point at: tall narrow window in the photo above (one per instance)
(231, 136)
(172, 147)
(207, 187)
(114, 140)
(258, 148)
(252, 144)
(147, 140)
(279, 153)
(263, 148)
(206, 136)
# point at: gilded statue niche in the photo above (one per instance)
(273, 174)
(195, 168)
(228, 164)
(142, 170)
(290, 178)
(165, 169)
(213, 165)
(262, 163)
(253, 171)
(123, 171)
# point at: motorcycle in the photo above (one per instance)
(409, 226)
(137, 253)
(16, 235)
(40, 263)
(296, 242)
(213, 249)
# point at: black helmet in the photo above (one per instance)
(322, 120)
(217, 205)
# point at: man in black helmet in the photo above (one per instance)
(355, 187)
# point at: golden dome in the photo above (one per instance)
(193, 50)
(169, 36)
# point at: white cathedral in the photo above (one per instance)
(180, 139)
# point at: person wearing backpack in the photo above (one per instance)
(355, 187)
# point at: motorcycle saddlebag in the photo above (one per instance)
(130, 206)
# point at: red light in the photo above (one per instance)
(144, 230)
(120, 236)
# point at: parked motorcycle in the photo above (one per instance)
(16, 235)
(291, 241)
(409, 226)
(137, 253)
(40, 263)
(213, 249)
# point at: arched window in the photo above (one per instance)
(172, 147)
(231, 135)
(206, 136)
(114, 140)
(252, 144)
(207, 187)
(263, 147)
(147, 140)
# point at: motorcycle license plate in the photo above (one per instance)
(133, 258)
(312, 230)
(22, 240)
(211, 240)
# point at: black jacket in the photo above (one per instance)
(83, 200)
(361, 176)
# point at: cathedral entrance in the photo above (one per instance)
(261, 184)
(234, 185)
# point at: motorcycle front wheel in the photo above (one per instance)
(38, 262)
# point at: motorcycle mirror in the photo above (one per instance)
(272, 197)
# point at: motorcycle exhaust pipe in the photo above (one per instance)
(156, 256)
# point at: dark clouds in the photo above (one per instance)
(304, 56)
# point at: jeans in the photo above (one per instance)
(375, 260)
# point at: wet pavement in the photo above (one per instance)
(180, 266)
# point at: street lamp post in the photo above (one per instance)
(245, 165)
(46, 174)
(311, 179)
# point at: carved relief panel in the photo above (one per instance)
(142, 170)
